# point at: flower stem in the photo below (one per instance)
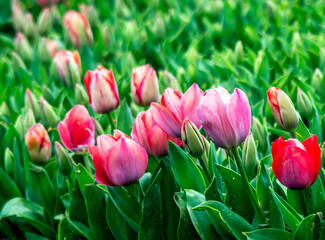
(87, 163)
(293, 134)
(111, 121)
(251, 195)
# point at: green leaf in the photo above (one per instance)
(186, 172)
(302, 131)
(269, 234)
(8, 188)
(263, 183)
(124, 119)
(315, 197)
(228, 220)
(310, 228)
(83, 178)
(77, 209)
(237, 194)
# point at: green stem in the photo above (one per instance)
(202, 163)
(111, 121)
(293, 134)
(87, 163)
(251, 195)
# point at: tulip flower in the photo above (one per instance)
(18, 17)
(144, 85)
(77, 130)
(149, 135)
(118, 160)
(226, 118)
(78, 29)
(304, 104)
(47, 49)
(296, 165)
(44, 3)
(23, 47)
(192, 139)
(282, 109)
(102, 90)
(44, 22)
(38, 143)
(30, 27)
(175, 107)
(67, 66)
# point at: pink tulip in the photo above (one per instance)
(78, 28)
(53, 47)
(38, 143)
(175, 107)
(144, 85)
(118, 160)
(44, 3)
(149, 135)
(226, 118)
(77, 130)
(102, 90)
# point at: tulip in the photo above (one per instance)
(32, 103)
(295, 164)
(30, 27)
(91, 14)
(48, 114)
(144, 85)
(38, 143)
(78, 28)
(259, 134)
(175, 107)
(282, 109)
(47, 49)
(18, 17)
(226, 118)
(17, 62)
(149, 135)
(63, 159)
(44, 22)
(44, 3)
(80, 95)
(317, 79)
(102, 90)
(29, 119)
(118, 160)
(23, 47)
(192, 139)
(304, 104)
(239, 53)
(249, 154)
(67, 66)
(77, 130)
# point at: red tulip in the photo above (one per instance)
(44, 3)
(77, 130)
(295, 164)
(118, 160)
(175, 107)
(102, 90)
(149, 135)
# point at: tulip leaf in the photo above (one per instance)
(263, 183)
(310, 228)
(186, 172)
(124, 118)
(315, 197)
(237, 194)
(83, 177)
(296, 200)
(77, 208)
(269, 234)
(302, 131)
(291, 217)
(64, 231)
(8, 188)
(230, 221)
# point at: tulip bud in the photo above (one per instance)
(296, 42)
(239, 53)
(322, 59)
(257, 63)
(102, 90)
(91, 14)
(305, 106)
(67, 66)
(31, 103)
(30, 27)
(29, 120)
(23, 47)
(38, 144)
(259, 135)
(98, 128)
(4, 110)
(45, 21)
(316, 80)
(63, 159)
(49, 116)
(282, 109)
(144, 85)
(9, 163)
(18, 17)
(192, 139)
(80, 95)
(20, 126)
(159, 29)
(249, 154)
(169, 80)
(17, 62)
(78, 28)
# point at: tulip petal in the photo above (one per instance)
(64, 135)
(171, 99)
(104, 143)
(312, 147)
(157, 142)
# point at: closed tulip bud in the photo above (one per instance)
(47, 49)
(305, 107)
(239, 53)
(44, 3)
(23, 47)
(102, 90)
(144, 85)
(296, 42)
(296, 165)
(4, 110)
(77, 130)
(9, 163)
(118, 160)
(192, 139)
(38, 144)
(282, 109)
(49, 115)
(19, 125)
(225, 118)
(29, 120)
(175, 107)
(149, 135)
(18, 17)
(249, 155)
(63, 159)
(159, 29)
(80, 95)
(322, 59)
(67, 66)
(257, 63)
(32, 103)
(78, 29)
(169, 80)
(259, 135)
(45, 21)
(91, 14)
(17, 62)
(316, 80)
(98, 128)
(30, 27)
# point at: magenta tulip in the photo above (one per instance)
(226, 118)
(118, 160)
(149, 135)
(175, 107)
(77, 130)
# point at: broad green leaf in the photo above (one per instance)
(8, 188)
(269, 234)
(263, 183)
(302, 131)
(310, 228)
(124, 118)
